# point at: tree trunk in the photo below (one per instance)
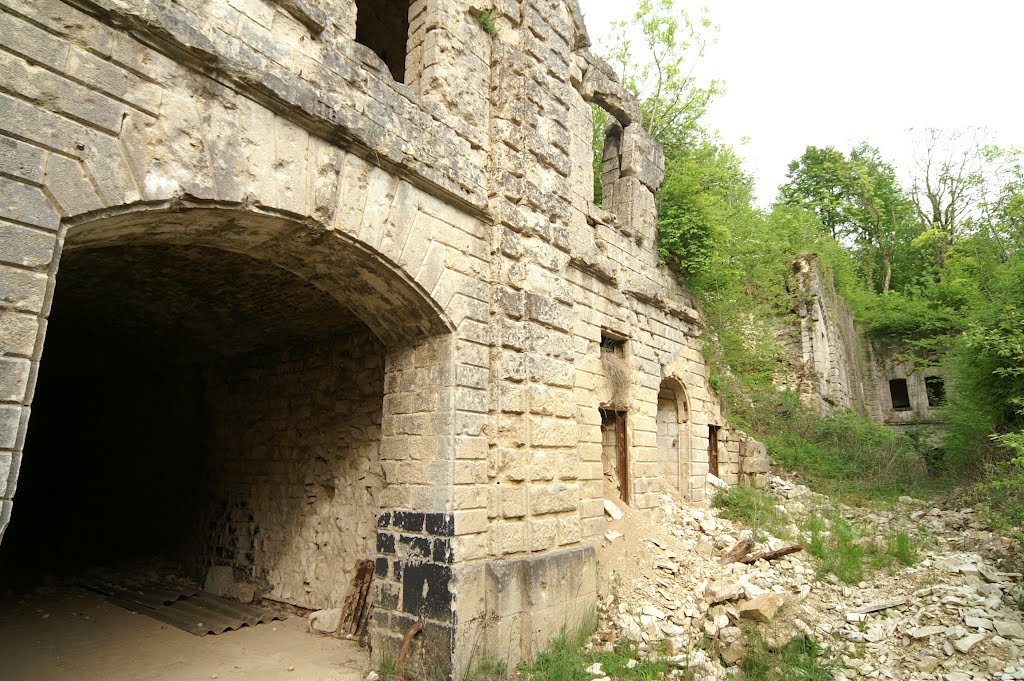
(887, 259)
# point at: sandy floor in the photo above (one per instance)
(75, 635)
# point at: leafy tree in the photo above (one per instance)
(1003, 208)
(858, 200)
(705, 187)
(661, 69)
(948, 185)
(880, 215)
(820, 181)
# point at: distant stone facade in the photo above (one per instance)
(837, 367)
(360, 256)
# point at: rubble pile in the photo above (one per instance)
(953, 616)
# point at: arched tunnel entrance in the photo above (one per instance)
(199, 407)
(218, 388)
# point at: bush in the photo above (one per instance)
(1001, 493)
(852, 457)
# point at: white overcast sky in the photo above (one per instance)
(824, 72)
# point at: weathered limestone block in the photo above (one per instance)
(642, 156)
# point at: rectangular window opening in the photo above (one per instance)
(613, 344)
(898, 393)
(936, 389)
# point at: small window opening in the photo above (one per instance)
(616, 346)
(899, 394)
(936, 389)
(614, 453)
(384, 28)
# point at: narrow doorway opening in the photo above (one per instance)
(614, 453)
(713, 450)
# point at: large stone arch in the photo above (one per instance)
(146, 150)
(376, 289)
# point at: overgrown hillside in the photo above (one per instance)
(933, 263)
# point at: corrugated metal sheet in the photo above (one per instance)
(197, 612)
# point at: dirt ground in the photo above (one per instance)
(76, 635)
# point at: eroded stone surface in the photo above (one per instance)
(382, 307)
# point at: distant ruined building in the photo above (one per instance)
(320, 285)
(837, 367)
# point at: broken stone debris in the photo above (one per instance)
(953, 613)
(613, 511)
(325, 621)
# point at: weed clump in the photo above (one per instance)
(801, 658)
(755, 508)
(849, 554)
(486, 20)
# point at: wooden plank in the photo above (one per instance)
(772, 555)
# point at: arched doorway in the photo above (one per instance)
(211, 394)
(674, 435)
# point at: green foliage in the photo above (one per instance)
(843, 550)
(1002, 489)
(704, 192)
(486, 20)
(901, 547)
(754, 508)
(614, 663)
(858, 201)
(600, 119)
(820, 181)
(488, 671)
(849, 455)
(567, 658)
(801, 658)
(838, 552)
(387, 668)
(705, 186)
(660, 69)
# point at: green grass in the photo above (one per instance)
(844, 551)
(900, 546)
(851, 458)
(844, 455)
(567, 658)
(755, 508)
(801, 658)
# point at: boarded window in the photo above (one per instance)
(898, 393)
(384, 28)
(936, 389)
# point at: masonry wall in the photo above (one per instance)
(835, 366)
(294, 475)
(452, 214)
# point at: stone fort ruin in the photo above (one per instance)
(323, 281)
